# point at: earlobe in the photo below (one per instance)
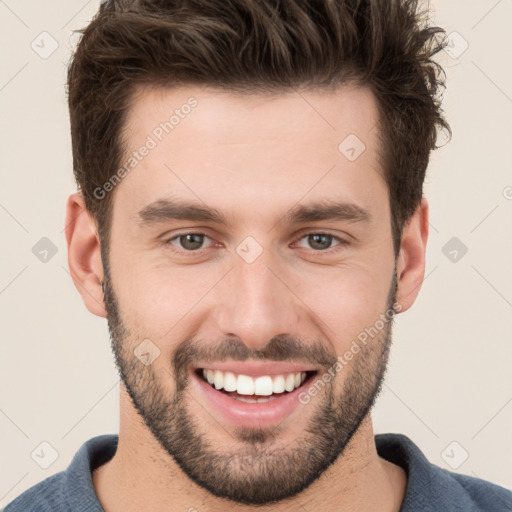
(84, 254)
(411, 260)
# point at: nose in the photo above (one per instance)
(255, 302)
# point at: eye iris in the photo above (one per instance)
(319, 239)
(195, 241)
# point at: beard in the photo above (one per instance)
(256, 468)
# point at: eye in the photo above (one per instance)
(322, 241)
(193, 242)
(188, 242)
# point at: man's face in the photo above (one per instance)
(263, 294)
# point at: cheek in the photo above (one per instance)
(156, 298)
(345, 301)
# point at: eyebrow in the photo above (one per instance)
(163, 210)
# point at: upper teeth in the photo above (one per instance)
(246, 385)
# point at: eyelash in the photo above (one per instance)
(341, 242)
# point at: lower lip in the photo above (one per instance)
(242, 414)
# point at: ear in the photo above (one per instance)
(84, 255)
(411, 264)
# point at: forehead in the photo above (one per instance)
(237, 151)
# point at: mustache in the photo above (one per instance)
(279, 348)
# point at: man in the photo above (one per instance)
(249, 220)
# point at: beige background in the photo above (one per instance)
(449, 375)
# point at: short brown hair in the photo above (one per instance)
(255, 46)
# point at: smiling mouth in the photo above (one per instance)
(260, 389)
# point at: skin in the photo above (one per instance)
(253, 158)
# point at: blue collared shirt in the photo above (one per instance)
(429, 487)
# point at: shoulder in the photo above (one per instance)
(70, 490)
(481, 494)
(430, 487)
(42, 497)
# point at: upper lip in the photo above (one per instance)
(259, 368)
